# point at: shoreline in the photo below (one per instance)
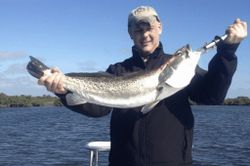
(47, 100)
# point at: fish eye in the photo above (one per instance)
(179, 53)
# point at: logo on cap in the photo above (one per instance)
(144, 14)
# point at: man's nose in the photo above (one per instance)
(145, 34)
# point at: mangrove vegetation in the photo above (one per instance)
(28, 101)
(46, 100)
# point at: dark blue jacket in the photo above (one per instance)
(163, 136)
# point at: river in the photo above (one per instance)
(55, 136)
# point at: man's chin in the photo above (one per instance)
(146, 50)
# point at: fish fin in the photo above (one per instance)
(165, 90)
(74, 99)
(96, 74)
(146, 108)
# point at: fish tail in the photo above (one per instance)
(36, 67)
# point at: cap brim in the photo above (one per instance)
(144, 20)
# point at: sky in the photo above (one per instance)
(89, 35)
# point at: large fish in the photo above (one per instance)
(144, 89)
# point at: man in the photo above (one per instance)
(162, 136)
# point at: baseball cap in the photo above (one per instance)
(140, 14)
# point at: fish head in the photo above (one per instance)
(183, 52)
(181, 67)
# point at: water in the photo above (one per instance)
(222, 135)
(55, 136)
(47, 136)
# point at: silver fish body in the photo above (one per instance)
(132, 90)
(121, 92)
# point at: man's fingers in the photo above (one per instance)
(53, 81)
(237, 20)
(41, 80)
(55, 70)
(48, 82)
(61, 85)
(244, 24)
(54, 86)
(236, 32)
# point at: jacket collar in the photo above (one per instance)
(158, 51)
(137, 56)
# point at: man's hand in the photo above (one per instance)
(236, 32)
(54, 82)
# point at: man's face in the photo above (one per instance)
(146, 37)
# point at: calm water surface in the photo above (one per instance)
(222, 135)
(56, 136)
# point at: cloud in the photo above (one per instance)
(15, 80)
(15, 69)
(12, 82)
(25, 85)
(7, 55)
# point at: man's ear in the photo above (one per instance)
(160, 28)
(130, 33)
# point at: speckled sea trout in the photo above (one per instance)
(137, 89)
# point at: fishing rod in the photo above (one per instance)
(213, 43)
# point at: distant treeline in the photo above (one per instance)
(241, 100)
(28, 101)
(46, 100)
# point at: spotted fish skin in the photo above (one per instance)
(137, 89)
